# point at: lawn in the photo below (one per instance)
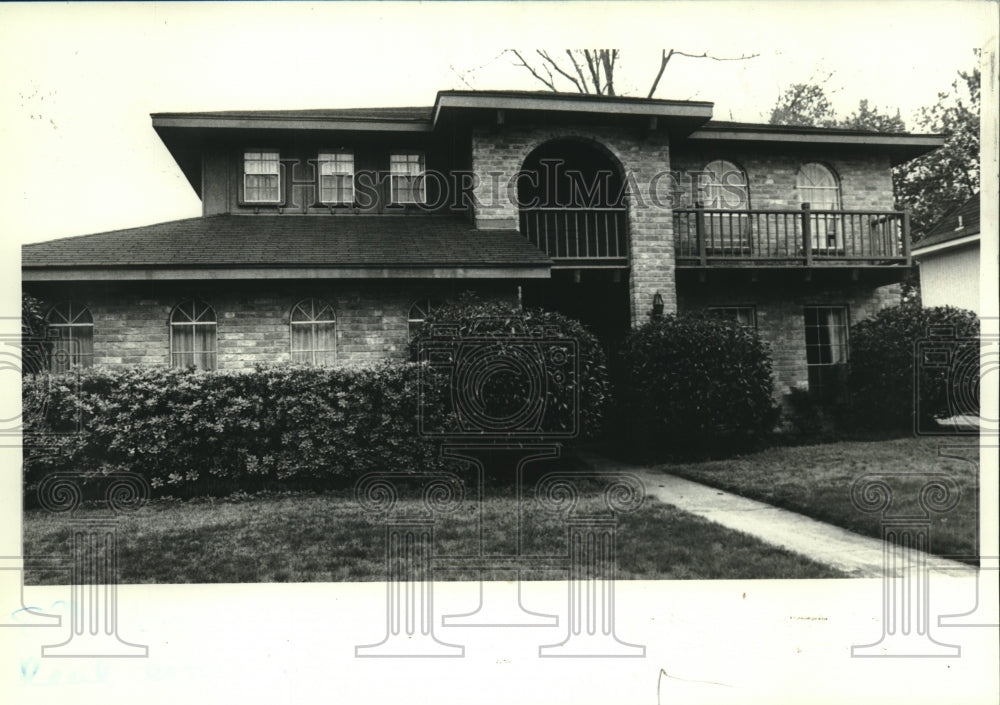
(816, 481)
(324, 537)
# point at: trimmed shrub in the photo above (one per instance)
(576, 395)
(693, 384)
(194, 432)
(887, 348)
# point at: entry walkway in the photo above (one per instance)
(858, 556)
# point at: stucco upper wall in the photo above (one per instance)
(865, 179)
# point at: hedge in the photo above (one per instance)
(194, 432)
(887, 348)
(577, 393)
(693, 384)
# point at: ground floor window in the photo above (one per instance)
(193, 335)
(746, 316)
(314, 332)
(826, 349)
(72, 326)
(418, 314)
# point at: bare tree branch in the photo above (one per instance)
(609, 56)
(576, 65)
(666, 56)
(556, 66)
(595, 69)
(548, 84)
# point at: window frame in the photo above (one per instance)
(244, 199)
(431, 305)
(71, 322)
(320, 161)
(831, 225)
(196, 321)
(725, 308)
(312, 322)
(820, 389)
(421, 175)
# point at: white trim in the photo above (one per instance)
(967, 240)
(529, 271)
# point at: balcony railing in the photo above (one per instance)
(706, 237)
(579, 236)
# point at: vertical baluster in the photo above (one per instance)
(586, 235)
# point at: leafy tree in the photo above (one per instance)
(936, 182)
(868, 117)
(805, 105)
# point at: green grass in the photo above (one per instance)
(324, 537)
(816, 481)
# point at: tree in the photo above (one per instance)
(805, 105)
(870, 118)
(933, 184)
(593, 70)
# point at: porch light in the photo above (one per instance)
(657, 305)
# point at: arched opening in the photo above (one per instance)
(572, 206)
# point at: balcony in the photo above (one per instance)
(713, 238)
(595, 238)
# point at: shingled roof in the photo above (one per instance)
(289, 241)
(960, 222)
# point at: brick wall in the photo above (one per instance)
(131, 321)
(780, 316)
(497, 156)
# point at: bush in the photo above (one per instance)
(193, 432)
(885, 393)
(569, 402)
(694, 383)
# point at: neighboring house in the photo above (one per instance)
(327, 234)
(948, 257)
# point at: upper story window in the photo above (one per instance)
(193, 335)
(725, 186)
(73, 327)
(314, 332)
(336, 178)
(406, 178)
(818, 186)
(261, 177)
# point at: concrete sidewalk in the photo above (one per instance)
(858, 556)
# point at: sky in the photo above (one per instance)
(78, 82)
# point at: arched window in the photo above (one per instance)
(418, 314)
(193, 335)
(818, 186)
(725, 188)
(73, 327)
(314, 332)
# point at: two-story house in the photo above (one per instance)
(326, 234)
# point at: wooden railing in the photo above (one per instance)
(578, 234)
(706, 237)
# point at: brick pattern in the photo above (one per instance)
(781, 320)
(497, 156)
(131, 324)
